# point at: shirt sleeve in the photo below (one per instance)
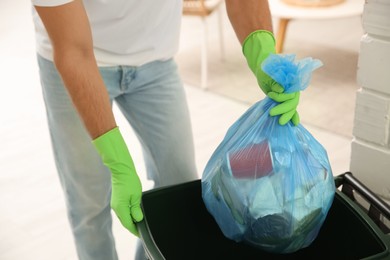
(50, 2)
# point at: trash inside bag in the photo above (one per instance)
(268, 185)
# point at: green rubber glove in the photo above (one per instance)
(256, 48)
(126, 186)
(288, 107)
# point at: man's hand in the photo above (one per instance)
(126, 186)
(288, 107)
(256, 48)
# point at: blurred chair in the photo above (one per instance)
(203, 9)
(286, 12)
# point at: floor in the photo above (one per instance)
(33, 221)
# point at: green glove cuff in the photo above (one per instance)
(113, 151)
(256, 48)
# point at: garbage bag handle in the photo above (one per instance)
(377, 206)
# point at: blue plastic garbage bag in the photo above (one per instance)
(268, 185)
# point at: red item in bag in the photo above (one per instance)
(251, 162)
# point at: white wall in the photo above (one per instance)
(370, 151)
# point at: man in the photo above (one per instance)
(94, 52)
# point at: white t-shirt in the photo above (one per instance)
(125, 32)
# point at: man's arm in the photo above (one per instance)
(247, 16)
(252, 23)
(70, 34)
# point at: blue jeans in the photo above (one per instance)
(152, 99)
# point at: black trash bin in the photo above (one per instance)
(177, 225)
